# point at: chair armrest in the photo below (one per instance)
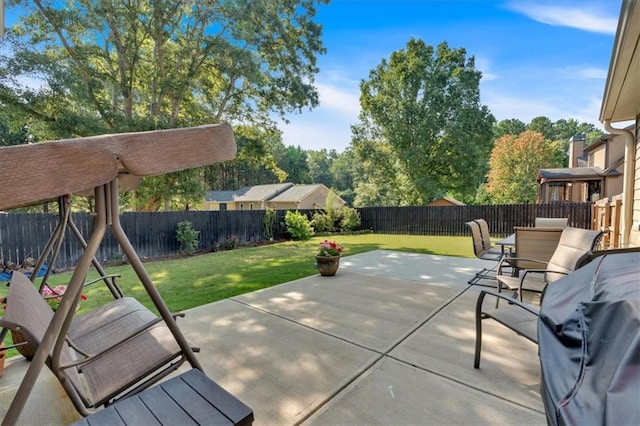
(513, 260)
(88, 283)
(528, 259)
(509, 299)
(544, 271)
(538, 271)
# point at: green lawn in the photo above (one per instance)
(192, 281)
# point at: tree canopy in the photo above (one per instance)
(514, 164)
(90, 67)
(152, 64)
(425, 103)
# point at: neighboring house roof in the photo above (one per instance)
(219, 196)
(296, 193)
(248, 193)
(603, 140)
(573, 173)
(448, 199)
(607, 138)
(261, 192)
(276, 193)
(614, 165)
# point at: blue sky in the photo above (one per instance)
(538, 58)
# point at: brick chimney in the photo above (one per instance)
(576, 151)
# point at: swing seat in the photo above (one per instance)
(120, 349)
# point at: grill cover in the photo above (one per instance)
(589, 342)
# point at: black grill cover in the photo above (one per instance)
(589, 342)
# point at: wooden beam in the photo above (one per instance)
(35, 173)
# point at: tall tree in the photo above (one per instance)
(112, 66)
(254, 164)
(380, 179)
(544, 126)
(514, 164)
(344, 170)
(293, 160)
(426, 103)
(511, 126)
(319, 164)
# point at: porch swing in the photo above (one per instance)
(87, 356)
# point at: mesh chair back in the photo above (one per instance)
(574, 247)
(484, 232)
(28, 313)
(145, 351)
(535, 243)
(476, 237)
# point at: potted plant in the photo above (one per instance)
(53, 296)
(328, 258)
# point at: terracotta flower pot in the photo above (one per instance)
(25, 350)
(328, 265)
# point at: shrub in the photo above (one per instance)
(350, 219)
(230, 243)
(268, 223)
(322, 222)
(298, 225)
(187, 237)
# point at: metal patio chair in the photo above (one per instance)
(483, 252)
(522, 318)
(486, 236)
(535, 268)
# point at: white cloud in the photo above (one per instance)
(328, 125)
(484, 66)
(338, 99)
(524, 108)
(527, 105)
(584, 16)
(330, 132)
(583, 72)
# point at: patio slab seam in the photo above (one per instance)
(326, 333)
(462, 383)
(421, 323)
(383, 352)
(343, 384)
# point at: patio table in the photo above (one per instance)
(509, 241)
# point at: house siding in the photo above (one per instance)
(315, 200)
(213, 205)
(634, 237)
(284, 205)
(613, 186)
(600, 156)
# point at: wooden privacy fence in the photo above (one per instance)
(450, 220)
(606, 215)
(153, 234)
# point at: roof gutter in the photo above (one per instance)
(624, 22)
(627, 186)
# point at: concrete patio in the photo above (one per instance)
(388, 340)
